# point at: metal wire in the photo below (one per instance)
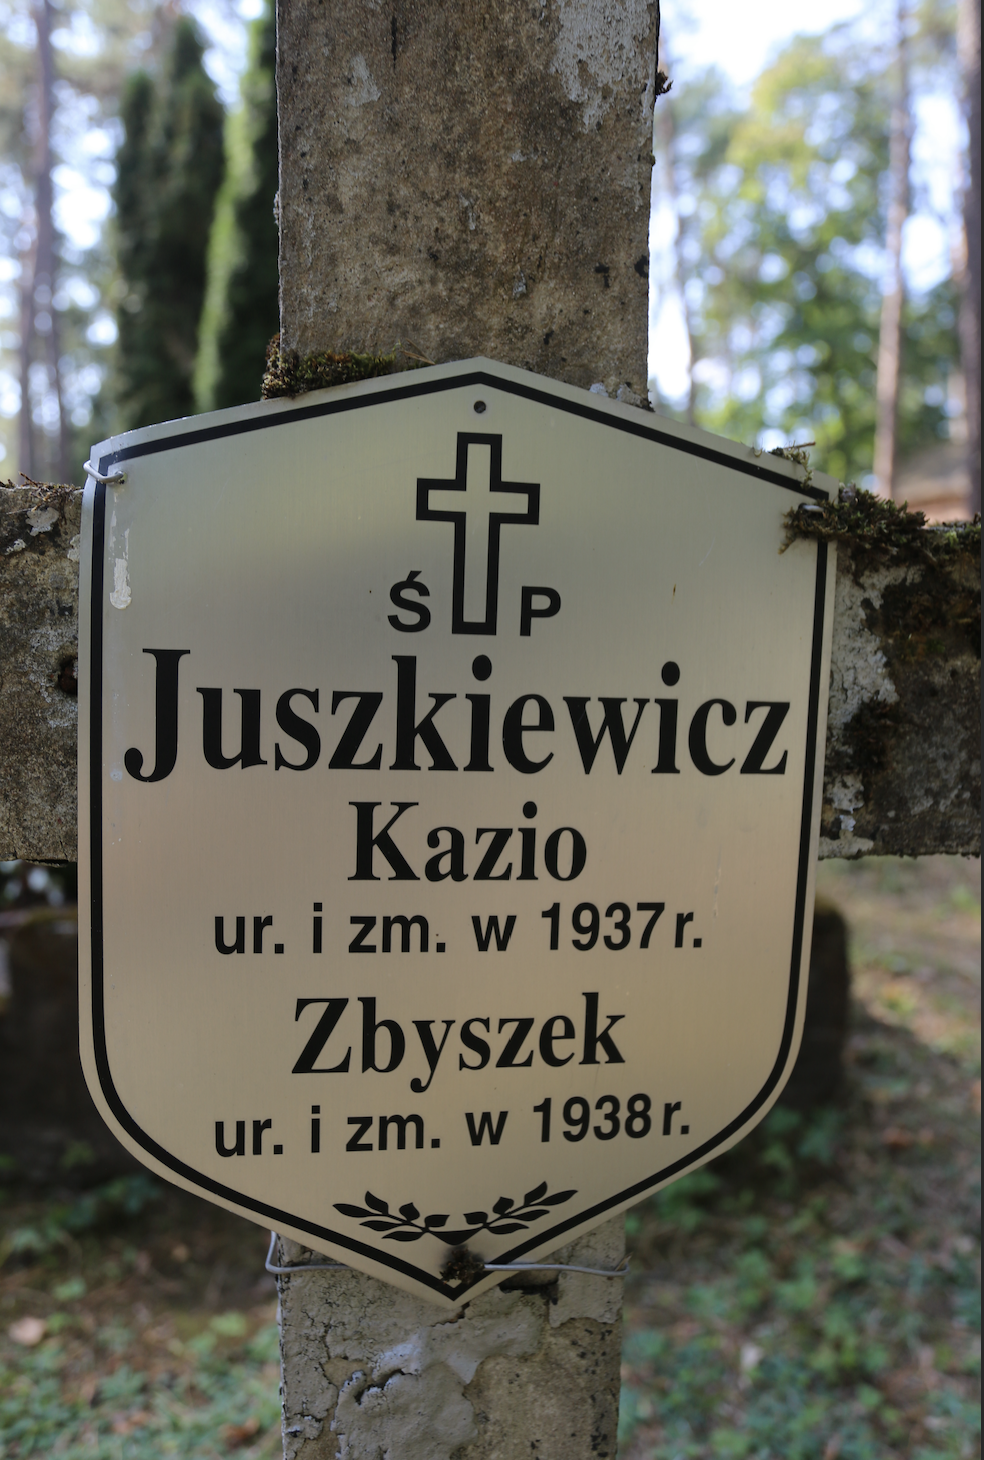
(298, 1266)
(606, 1272)
(113, 481)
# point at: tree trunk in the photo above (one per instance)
(47, 255)
(25, 425)
(39, 321)
(969, 49)
(890, 333)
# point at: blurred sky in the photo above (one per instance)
(741, 36)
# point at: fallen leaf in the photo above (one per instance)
(926, 1359)
(895, 1248)
(236, 1435)
(124, 1423)
(904, 1388)
(28, 1331)
(88, 1389)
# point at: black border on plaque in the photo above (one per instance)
(274, 1216)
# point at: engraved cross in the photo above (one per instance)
(475, 501)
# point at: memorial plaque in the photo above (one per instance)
(450, 761)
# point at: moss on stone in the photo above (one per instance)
(463, 1266)
(878, 527)
(799, 456)
(44, 494)
(289, 374)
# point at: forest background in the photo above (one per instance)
(812, 279)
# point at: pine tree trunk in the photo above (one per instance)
(890, 333)
(39, 279)
(969, 49)
(47, 256)
(25, 429)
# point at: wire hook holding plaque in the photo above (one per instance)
(605, 1272)
(299, 1266)
(114, 481)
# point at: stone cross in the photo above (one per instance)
(474, 179)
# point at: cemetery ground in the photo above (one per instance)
(811, 1295)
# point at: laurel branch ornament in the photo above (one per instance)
(406, 1225)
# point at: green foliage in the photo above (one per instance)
(832, 1312)
(59, 1222)
(222, 1406)
(17, 65)
(96, 44)
(100, 1381)
(782, 1155)
(815, 1292)
(781, 235)
(242, 303)
(169, 168)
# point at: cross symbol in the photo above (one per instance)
(473, 501)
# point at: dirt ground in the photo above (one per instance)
(814, 1293)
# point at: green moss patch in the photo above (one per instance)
(883, 528)
(289, 373)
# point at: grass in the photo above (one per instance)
(812, 1295)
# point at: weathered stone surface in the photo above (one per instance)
(903, 758)
(529, 1368)
(903, 736)
(39, 594)
(471, 178)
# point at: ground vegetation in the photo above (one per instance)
(812, 1295)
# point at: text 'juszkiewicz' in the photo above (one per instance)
(415, 738)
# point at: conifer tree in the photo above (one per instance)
(169, 169)
(785, 211)
(242, 306)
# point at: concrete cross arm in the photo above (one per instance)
(902, 771)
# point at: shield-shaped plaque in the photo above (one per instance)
(450, 757)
